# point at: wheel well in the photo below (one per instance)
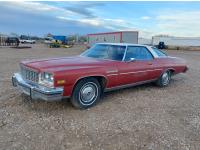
(102, 80)
(172, 71)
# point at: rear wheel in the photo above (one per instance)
(164, 79)
(86, 93)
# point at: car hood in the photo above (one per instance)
(66, 63)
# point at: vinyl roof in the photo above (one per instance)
(123, 44)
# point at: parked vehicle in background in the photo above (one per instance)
(104, 67)
(161, 45)
(55, 44)
(113, 37)
(48, 40)
(14, 41)
(25, 41)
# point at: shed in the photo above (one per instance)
(113, 37)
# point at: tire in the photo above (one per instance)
(164, 79)
(86, 93)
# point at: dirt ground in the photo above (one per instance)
(142, 117)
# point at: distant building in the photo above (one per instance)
(176, 41)
(3, 35)
(144, 41)
(49, 35)
(61, 38)
(3, 38)
(113, 37)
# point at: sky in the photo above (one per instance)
(65, 18)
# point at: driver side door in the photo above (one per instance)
(137, 65)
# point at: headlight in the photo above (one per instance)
(46, 79)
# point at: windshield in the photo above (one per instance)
(103, 51)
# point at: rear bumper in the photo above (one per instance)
(36, 91)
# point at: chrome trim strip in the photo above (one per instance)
(134, 72)
(128, 85)
(112, 71)
(112, 75)
(123, 59)
(140, 71)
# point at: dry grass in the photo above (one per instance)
(185, 48)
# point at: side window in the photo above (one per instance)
(159, 52)
(138, 52)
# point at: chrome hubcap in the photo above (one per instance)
(165, 78)
(88, 92)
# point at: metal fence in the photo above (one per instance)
(5, 42)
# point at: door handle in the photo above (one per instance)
(150, 63)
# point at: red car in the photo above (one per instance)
(104, 67)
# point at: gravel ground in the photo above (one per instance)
(142, 117)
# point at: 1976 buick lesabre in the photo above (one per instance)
(104, 67)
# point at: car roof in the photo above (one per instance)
(130, 44)
(123, 44)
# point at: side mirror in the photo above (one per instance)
(131, 60)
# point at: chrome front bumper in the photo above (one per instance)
(36, 91)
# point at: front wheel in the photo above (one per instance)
(86, 93)
(164, 79)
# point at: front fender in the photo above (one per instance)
(71, 77)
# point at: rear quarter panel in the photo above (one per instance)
(178, 65)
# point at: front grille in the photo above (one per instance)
(29, 74)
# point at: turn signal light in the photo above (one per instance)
(60, 81)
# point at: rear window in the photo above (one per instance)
(159, 52)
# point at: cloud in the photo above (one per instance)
(39, 18)
(29, 6)
(28, 22)
(85, 9)
(89, 17)
(180, 23)
(145, 18)
(103, 21)
(41, 8)
(110, 23)
(93, 22)
(44, 18)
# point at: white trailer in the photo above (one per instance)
(176, 41)
(113, 37)
(145, 41)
